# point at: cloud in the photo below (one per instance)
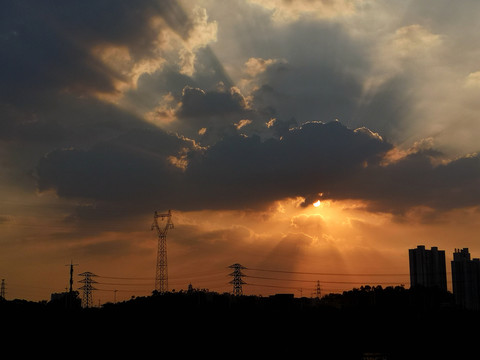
(60, 46)
(225, 147)
(241, 169)
(291, 10)
(125, 169)
(199, 103)
(212, 114)
(404, 50)
(202, 33)
(473, 80)
(255, 66)
(142, 170)
(65, 53)
(423, 179)
(313, 225)
(237, 172)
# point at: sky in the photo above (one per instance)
(238, 116)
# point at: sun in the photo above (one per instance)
(317, 203)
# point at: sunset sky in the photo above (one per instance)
(238, 116)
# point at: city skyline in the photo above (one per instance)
(305, 137)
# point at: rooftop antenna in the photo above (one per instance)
(71, 275)
(2, 290)
(161, 276)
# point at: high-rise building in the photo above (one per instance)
(466, 279)
(427, 267)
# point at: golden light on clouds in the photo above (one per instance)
(217, 109)
(289, 11)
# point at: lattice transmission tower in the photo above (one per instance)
(161, 276)
(317, 290)
(237, 280)
(87, 288)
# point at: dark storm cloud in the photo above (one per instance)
(47, 45)
(129, 168)
(64, 120)
(50, 72)
(199, 103)
(239, 172)
(50, 75)
(215, 111)
(415, 181)
(135, 173)
(243, 170)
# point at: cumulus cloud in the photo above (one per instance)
(247, 148)
(212, 114)
(255, 66)
(202, 33)
(67, 52)
(67, 46)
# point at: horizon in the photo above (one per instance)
(111, 286)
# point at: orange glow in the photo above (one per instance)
(337, 243)
(317, 203)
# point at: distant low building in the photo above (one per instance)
(68, 300)
(466, 279)
(374, 356)
(427, 267)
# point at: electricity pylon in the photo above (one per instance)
(87, 288)
(161, 276)
(317, 290)
(237, 278)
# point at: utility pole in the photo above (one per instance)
(87, 288)
(161, 275)
(2, 289)
(237, 281)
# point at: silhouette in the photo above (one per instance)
(466, 279)
(427, 267)
(392, 322)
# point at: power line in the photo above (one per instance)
(102, 283)
(274, 286)
(184, 277)
(123, 290)
(124, 278)
(314, 281)
(326, 274)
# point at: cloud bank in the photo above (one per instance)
(120, 105)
